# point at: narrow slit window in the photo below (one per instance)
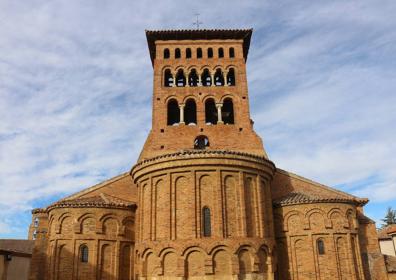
(232, 52)
(177, 53)
(321, 247)
(207, 230)
(84, 254)
(166, 53)
(221, 52)
(210, 53)
(188, 53)
(199, 53)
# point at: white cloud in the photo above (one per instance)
(75, 90)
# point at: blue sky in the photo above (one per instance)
(76, 85)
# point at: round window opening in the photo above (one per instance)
(201, 142)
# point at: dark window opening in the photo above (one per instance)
(321, 247)
(173, 112)
(180, 79)
(227, 111)
(218, 78)
(199, 53)
(210, 53)
(221, 53)
(210, 112)
(193, 78)
(168, 78)
(190, 112)
(177, 53)
(188, 53)
(201, 142)
(231, 77)
(206, 78)
(232, 52)
(166, 53)
(84, 254)
(207, 231)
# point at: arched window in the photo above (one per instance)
(206, 224)
(231, 77)
(210, 53)
(36, 222)
(193, 78)
(201, 142)
(232, 52)
(206, 78)
(227, 111)
(180, 79)
(166, 53)
(210, 112)
(188, 53)
(190, 112)
(168, 78)
(34, 234)
(173, 112)
(321, 247)
(218, 78)
(221, 52)
(177, 53)
(84, 254)
(199, 53)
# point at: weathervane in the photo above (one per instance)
(197, 23)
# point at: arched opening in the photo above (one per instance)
(177, 53)
(231, 77)
(206, 78)
(180, 78)
(231, 52)
(206, 224)
(218, 78)
(210, 112)
(201, 142)
(166, 53)
(168, 78)
(188, 53)
(190, 112)
(173, 112)
(199, 53)
(210, 52)
(321, 247)
(221, 52)
(193, 78)
(227, 111)
(84, 254)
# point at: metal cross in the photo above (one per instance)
(197, 23)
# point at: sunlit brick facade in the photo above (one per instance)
(204, 201)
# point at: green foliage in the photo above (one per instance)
(390, 217)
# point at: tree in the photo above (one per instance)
(390, 217)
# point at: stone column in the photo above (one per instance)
(219, 117)
(173, 80)
(212, 82)
(225, 79)
(181, 109)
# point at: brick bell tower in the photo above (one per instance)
(203, 177)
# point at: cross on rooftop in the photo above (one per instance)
(197, 22)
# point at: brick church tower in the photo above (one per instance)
(203, 176)
(203, 200)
